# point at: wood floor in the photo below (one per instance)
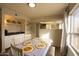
(57, 51)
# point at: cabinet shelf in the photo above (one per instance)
(13, 22)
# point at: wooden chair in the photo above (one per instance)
(51, 51)
(16, 51)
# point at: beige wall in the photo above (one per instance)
(28, 26)
(0, 30)
(55, 26)
(70, 6)
(28, 29)
(23, 25)
(34, 29)
(48, 19)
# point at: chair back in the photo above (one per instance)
(4, 54)
(16, 51)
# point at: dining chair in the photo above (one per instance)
(4, 54)
(16, 51)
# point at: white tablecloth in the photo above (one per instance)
(36, 51)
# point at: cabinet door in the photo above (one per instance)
(16, 39)
(8, 41)
(19, 38)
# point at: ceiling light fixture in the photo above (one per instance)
(31, 4)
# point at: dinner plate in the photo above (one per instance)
(27, 49)
(40, 45)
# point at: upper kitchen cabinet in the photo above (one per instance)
(14, 22)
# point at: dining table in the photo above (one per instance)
(35, 51)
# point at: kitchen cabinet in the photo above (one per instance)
(16, 39)
(13, 39)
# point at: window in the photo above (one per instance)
(74, 30)
(42, 26)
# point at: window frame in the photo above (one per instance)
(71, 30)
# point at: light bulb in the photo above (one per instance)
(31, 4)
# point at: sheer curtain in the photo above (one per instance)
(64, 34)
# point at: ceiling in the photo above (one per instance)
(41, 9)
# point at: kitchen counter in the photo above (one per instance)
(36, 51)
(13, 33)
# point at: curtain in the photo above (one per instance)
(64, 35)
